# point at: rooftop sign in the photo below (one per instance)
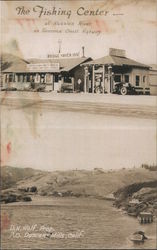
(43, 67)
(117, 52)
(64, 55)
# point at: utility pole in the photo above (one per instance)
(59, 46)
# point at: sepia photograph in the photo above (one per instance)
(78, 124)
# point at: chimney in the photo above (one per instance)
(83, 51)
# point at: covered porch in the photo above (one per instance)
(101, 75)
(98, 78)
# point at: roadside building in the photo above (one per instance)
(153, 79)
(102, 73)
(53, 73)
(79, 74)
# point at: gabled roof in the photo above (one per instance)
(19, 67)
(117, 61)
(65, 64)
(153, 67)
(12, 63)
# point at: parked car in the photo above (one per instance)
(98, 89)
(123, 88)
(67, 87)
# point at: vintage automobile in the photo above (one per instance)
(67, 87)
(98, 89)
(123, 88)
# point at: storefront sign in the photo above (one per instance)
(43, 67)
(64, 55)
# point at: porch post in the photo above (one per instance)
(4, 78)
(103, 82)
(93, 76)
(72, 80)
(52, 80)
(110, 78)
(85, 80)
(16, 78)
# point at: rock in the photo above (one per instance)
(110, 197)
(134, 201)
(33, 189)
(142, 191)
(26, 198)
(23, 189)
(11, 198)
(57, 194)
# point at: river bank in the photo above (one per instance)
(124, 186)
(74, 203)
(69, 223)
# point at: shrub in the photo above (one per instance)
(26, 198)
(33, 189)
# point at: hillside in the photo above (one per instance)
(127, 185)
(95, 182)
(10, 175)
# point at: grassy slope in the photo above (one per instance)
(93, 183)
(10, 175)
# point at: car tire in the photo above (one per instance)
(123, 91)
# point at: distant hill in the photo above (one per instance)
(11, 175)
(82, 182)
(19, 184)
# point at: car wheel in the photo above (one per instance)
(123, 91)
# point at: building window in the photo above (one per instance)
(21, 78)
(48, 78)
(137, 80)
(25, 78)
(67, 79)
(37, 78)
(42, 79)
(18, 78)
(10, 78)
(14, 79)
(117, 78)
(126, 78)
(56, 78)
(28, 78)
(144, 78)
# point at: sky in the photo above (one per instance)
(129, 24)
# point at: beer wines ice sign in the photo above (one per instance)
(43, 67)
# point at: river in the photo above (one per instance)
(75, 223)
(53, 139)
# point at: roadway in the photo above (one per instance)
(114, 105)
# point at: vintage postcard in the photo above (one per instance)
(78, 107)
